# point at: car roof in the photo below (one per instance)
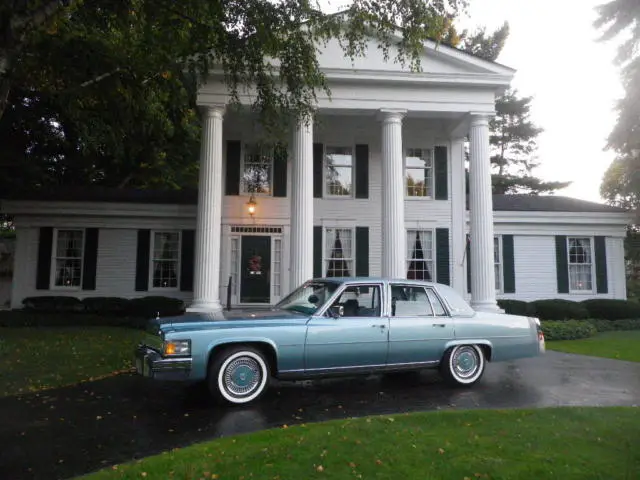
(348, 280)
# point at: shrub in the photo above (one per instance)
(567, 329)
(558, 309)
(515, 307)
(106, 305)
(51, 304)
(610, 309)
(24, 318)
(610, 325)
(151, 306)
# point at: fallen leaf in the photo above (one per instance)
(379, 462)
(440, 451)
(352, 465)
(320, 468)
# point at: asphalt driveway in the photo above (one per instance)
(70, 431)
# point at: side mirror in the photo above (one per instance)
(336, 311)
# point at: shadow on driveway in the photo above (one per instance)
(70, 431)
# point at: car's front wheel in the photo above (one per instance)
(238, 375)
(463, 364)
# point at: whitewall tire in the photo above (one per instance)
(238, 375)
(463, 365)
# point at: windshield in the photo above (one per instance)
(308, 298)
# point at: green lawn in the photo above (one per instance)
(619, 345)
(35, 358)
(562, 443)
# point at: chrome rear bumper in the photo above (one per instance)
(150, 363)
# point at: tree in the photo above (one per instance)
(104, 92)
(513, 134)
(621, 182)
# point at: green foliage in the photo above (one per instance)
(615, 345)
(558, 309)
(567, 330)
(485, 45)
(516, 307)
(616, 325)
(610, 309)
(40, 319)
(144, 307)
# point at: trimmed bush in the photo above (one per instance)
(611, 325)
(51, 304)
(516, 307)
(558, 309)
(151, 306)
(24, 318)
(610, 309)
(106, 305)
(567, 329)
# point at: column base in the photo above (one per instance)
(204, 306)
(486, 306)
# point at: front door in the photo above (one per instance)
(255, 270)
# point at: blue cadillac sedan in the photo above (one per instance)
(336, 326)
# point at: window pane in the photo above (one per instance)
(409, 301)
(579, 250)
(360, 301)
(418, 172)
(256, 176)
(339, 171)
(166, 253)
(580, 277)
(435, 301)
(68, 272)
(420, 255)
(339, 252)
(580, 264)
(69, 244)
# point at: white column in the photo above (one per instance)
(483, 293)
(206, 285)
(301, 241)
(393, 228)
(458, 216)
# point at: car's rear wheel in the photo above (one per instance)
(463, 365)
(238, 375)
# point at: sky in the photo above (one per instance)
(569, 73)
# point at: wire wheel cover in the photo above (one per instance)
(242, 376)
(465, 362)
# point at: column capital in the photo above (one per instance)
(213, 110)
(393, 115)
(479, 119)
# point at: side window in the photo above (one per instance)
(410, 301)
(437, 304)
(360, 301)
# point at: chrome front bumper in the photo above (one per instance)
(150, 363)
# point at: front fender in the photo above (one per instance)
(471, 341)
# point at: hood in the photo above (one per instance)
(229, 315)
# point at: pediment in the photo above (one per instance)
(436, 59)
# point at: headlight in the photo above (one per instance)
(176, 347)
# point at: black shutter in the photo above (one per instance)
(43, 272)
(442, 255)
(232, 183)
(317, 252)
(562, 266)
(362, 171)
(362, 251)
(508, 265)
(601, 265)
(142, 260)
(468, 265)
(90, 266)
(441, 177)
(318, 157)
(280, 171)
(187, 260)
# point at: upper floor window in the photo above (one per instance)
(257, 170)
(339, 253)
(165, 261)
(580, 264)
(338, 168)
(419, 172)
(68, 255)
(420, 255)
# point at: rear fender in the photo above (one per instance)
(487, 346)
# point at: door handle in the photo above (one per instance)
(441, 325)
(379, 326)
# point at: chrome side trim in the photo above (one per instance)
(381, 367)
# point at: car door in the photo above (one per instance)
(357, 340)
(419, 325)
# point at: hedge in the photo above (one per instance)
(611, 325)
(110, 306)
(24, 318)
(516, 307)
(567, 329)
(610, 309)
